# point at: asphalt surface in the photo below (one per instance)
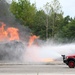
(36, 69)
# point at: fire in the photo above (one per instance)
(10, 33)
(32, 39)
(13, 33)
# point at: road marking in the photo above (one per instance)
(18, 74)
(54, 74)
(35, 74)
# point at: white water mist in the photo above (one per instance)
(48, 51)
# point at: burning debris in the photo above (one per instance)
(11, 47)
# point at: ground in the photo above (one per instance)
(36, 69)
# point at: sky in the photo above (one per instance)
(68, 6)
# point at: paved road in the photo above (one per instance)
(36, 69)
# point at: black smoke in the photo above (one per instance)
(9, 19)
(13, 50)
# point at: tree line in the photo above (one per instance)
(47, 22)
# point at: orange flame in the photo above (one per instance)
(13, 33)
(32, 39)
(8, 34)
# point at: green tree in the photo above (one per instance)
(39, 27)
(64, 21)
(24, 11)
(68, 31)
(47, 11)
(56, 15)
